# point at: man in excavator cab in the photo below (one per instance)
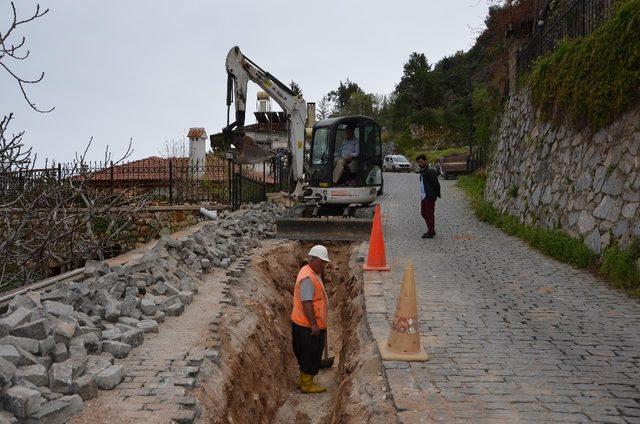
(347, 155)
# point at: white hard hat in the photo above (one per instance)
(320, 252)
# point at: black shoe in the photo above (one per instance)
(428, 235)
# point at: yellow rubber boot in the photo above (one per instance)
(308, 386)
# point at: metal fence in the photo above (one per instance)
(166, 181)
(579, 20)
(477, 159)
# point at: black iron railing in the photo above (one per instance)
(166, 181)
(579, 20)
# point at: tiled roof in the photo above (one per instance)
(155, 170)
(196, 133)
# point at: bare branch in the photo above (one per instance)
(56, 213)
(174, 148)
(13, 51)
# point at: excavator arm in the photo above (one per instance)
(241, 70)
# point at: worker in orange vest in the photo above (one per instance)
(309, 318)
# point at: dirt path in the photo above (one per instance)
(158, 371)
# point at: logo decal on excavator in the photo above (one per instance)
(339, 193)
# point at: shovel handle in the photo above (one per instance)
(326, 345)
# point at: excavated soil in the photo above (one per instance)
(255, 381)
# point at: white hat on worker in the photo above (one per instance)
(320, 252)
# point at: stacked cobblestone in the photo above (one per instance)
(57, 348)
(585, 183)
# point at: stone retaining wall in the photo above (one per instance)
(584, 183)
(155, 221)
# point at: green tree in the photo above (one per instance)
(417, 87)
(341, 96)
(484, 112)
(295, 88)
(359, 104)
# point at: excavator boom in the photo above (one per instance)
(342, 220)
(241, 70)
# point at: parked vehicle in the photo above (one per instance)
(454, 165)
(396, 163)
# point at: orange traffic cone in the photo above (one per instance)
(404, 338)
(377, 260)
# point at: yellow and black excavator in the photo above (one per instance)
(335, 205)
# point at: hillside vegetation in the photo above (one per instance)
(592, 80)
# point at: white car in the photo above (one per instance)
(396, 163)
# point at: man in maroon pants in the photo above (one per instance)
(429, 192)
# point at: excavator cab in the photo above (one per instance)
(345, 161)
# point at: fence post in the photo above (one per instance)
(264, 181)
(111, 172)
(235, 189)
(239, 187)
(230, 182)
(170, 182)
(59, 173)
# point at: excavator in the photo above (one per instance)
(334, 205)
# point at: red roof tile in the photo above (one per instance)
(196, 133)
(155, 170)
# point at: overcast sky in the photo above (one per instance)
(150, 69)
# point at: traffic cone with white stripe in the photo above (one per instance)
(403, 343)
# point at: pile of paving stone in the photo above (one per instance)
(57, 348)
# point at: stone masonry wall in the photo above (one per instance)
(586, 184)
(157, 221)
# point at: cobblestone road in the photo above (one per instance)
(513, 335)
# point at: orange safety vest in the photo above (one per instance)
(320, 301)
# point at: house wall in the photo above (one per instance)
(277, 140)
(197, 152)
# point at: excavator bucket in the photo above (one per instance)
(299, 225)
(324, 229)
(248, 150)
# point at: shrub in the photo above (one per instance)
(594, 79)
(620, 266)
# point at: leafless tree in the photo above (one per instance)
(13, 49)
(324, 108)
(57, 218)
(175, 148)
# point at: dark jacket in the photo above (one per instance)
(429, 178)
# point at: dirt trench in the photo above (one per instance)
(255, 381)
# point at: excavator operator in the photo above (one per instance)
(347, 156)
